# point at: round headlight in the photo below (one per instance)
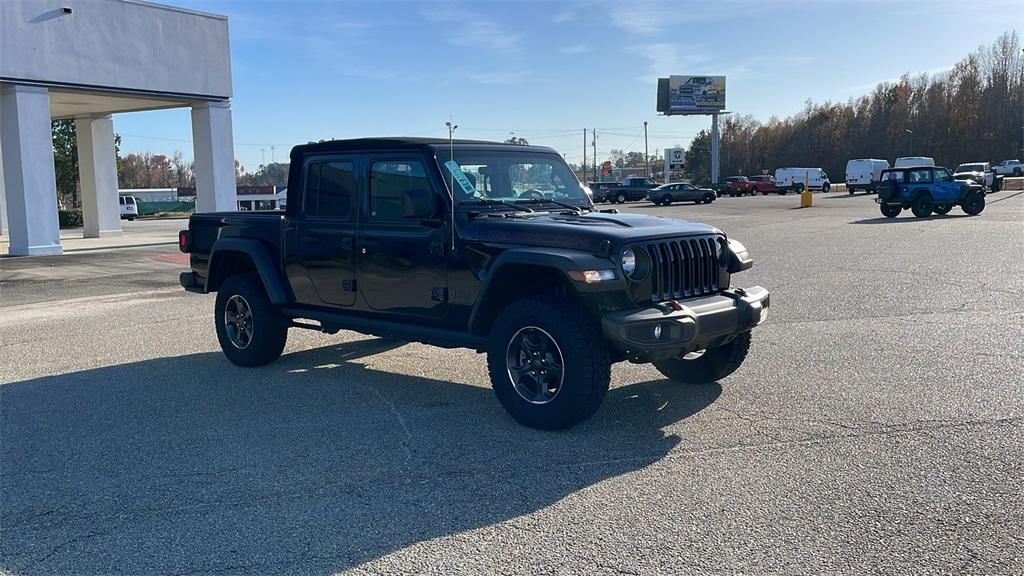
(628, 262)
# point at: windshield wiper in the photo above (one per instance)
(492, 202)
(573, 207)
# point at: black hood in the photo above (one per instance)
(581, 232)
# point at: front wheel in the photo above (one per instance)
(709, 365)
(548, 363)
(825, 188)
(973, 203)
(250, 330)
(708, 198)
(666, 200)
(621, 198)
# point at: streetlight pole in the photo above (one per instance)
(911, 132)
(647, 158)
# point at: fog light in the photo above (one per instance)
(657, 332)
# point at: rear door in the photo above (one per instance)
(320, 242)
(401, 260)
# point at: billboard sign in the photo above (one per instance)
(691, 94)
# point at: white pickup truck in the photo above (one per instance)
(1009, 168)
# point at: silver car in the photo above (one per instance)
(680, 192)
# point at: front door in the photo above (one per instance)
(321, 258)
(401, 260)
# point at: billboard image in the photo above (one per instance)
(691, 94)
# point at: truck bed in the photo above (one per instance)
(206, 228)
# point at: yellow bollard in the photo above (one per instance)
(805, 196)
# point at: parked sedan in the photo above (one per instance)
(678, 192)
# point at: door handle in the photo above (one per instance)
(310, 239)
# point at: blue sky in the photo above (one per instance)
(305, 70)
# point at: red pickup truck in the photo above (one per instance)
(739, 186)
(763, 184)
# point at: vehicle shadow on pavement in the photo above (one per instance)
(314, 464)
(903, 219)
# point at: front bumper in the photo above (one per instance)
(685, 326)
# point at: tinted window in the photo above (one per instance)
(330, 187)
(388, 180)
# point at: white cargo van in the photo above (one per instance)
(911, 161)
(129, 207)
(793, 179)
(863, 174)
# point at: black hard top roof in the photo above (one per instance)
(399, 143)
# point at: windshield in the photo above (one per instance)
(510, 176)
(970, 168)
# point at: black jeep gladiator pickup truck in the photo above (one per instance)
(486, 246)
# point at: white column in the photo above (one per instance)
(3, 195)
(29, 179)
(214, 151)
(97, 174)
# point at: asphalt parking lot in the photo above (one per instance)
(876, 426)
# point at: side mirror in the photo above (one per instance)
(418, 203)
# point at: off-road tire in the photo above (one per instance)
(973, 203)
(715, 364)
(269, 327)
(922, 205)
(890, 210)
(942, 209)
(586, 361)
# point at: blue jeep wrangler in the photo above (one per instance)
(927, 189)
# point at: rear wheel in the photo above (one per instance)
(891, 210)
(922, 206)
(973, 203)
(709, 365)
(548, 363)
(943, 208)
(850, 191)
(251, 331)
(1016, 172)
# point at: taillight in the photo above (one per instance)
(183, 241)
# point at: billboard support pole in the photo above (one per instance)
(714, 149)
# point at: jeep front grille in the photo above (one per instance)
(683, 267)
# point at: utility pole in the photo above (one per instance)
(911, 132)
(647, 158)
(594, 132)
(585, 167)
(263, 156)
(272, 161)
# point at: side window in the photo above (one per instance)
(388, 180)
(330, 188)
(943, 175)
(919, 176)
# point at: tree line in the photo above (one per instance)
(973, 112)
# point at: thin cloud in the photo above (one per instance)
(664, 58)
(492, 77)
(575, 49)
(564, 15)
(472, 30)
(652, 17)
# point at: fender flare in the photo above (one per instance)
(558, 259)
(261, 259)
